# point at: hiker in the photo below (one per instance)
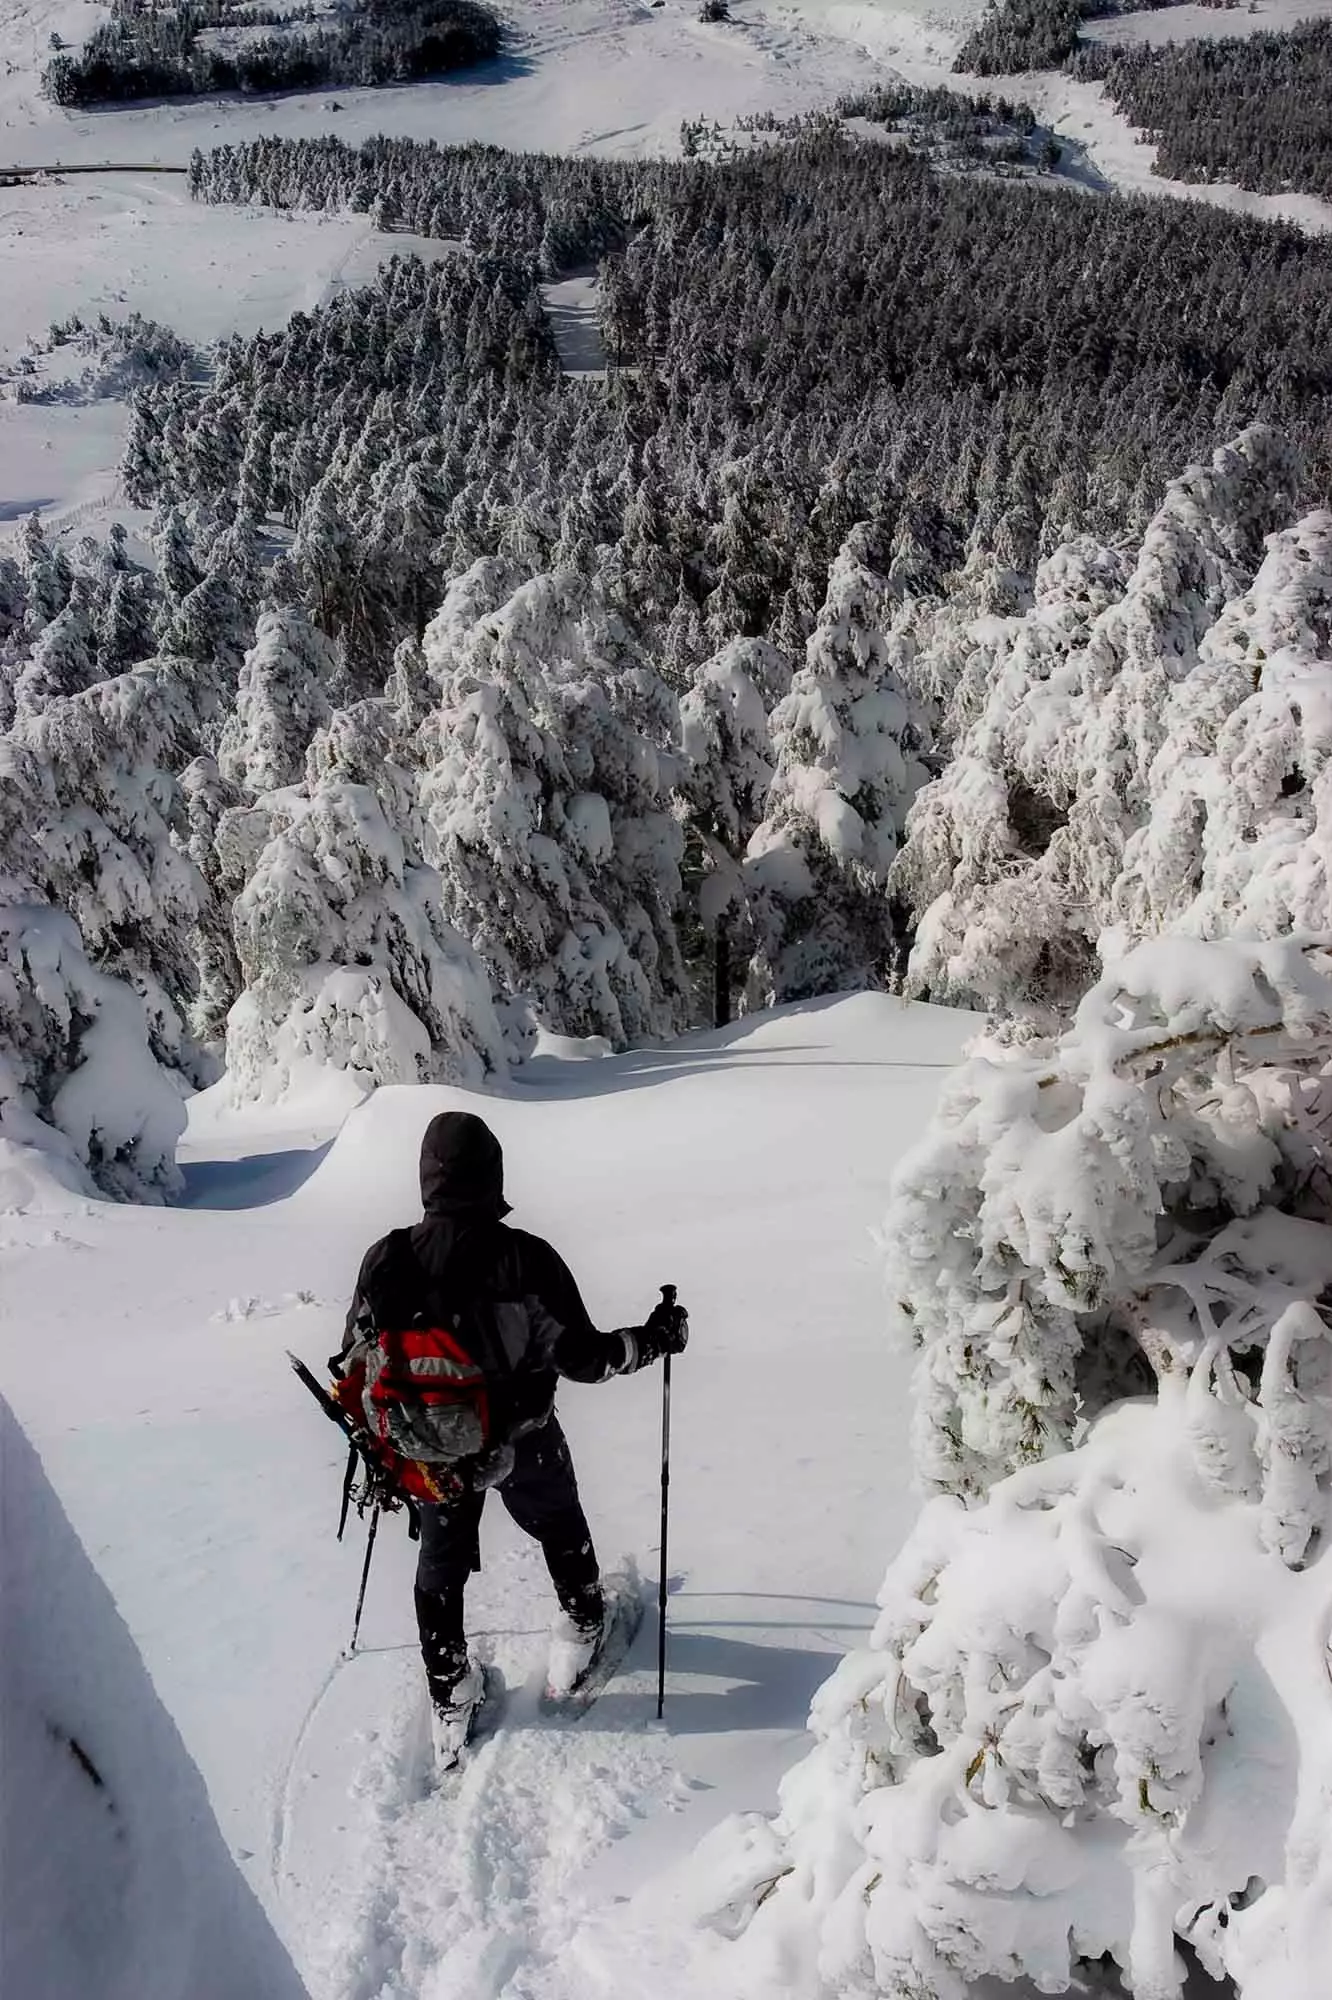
(519, 1319)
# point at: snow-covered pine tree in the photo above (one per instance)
(1238, 801)
(347, 958)
(63, 658)
(1089, 1721)
(282, 699)
(728, 770)
(79, 1085)
(46, 576)
(1012, 855)
(547, 792)
(106, 816)
(847, 766)
(206, 795)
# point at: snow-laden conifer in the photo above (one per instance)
(79, 1084)
(1013, 853)
(282, 699)
(549, 768)
(847, 768)
(728, 769)
(347, 958)
(1090, 1720)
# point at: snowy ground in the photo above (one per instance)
(572, 306)
(750, 1168)
(619, 76)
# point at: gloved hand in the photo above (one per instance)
(666, 1332)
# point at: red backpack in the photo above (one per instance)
(420, 1395)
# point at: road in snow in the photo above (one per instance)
(572, 307)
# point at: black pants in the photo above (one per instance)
(541, 1493)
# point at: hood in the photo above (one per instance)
(462, 1167)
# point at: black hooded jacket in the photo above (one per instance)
(512, 1299)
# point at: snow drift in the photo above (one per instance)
(115, 1883)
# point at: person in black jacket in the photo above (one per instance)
(525, 1325)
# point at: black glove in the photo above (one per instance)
(666, 1332)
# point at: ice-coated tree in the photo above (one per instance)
(1085, 1726)
(46, 574)
(206, 796)
(1239, 799)
(1012, 855)
(547, 793)
(63, 658)
(176, 564)
(728, 770)
(78, 1081)
(347, 958)
(282, 699)
(847, 766)
(124, 621)
(478, 591)
(106, 815)
(1057, 1218)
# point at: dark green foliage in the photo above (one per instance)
(1257, 111)
(1017, 35)
(810, 334)
(146, 50)
(971, 131)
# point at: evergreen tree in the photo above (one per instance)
(282, 698)
(847, 768)
(347, 959)
(728, 769)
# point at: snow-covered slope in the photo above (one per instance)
(747, 1167)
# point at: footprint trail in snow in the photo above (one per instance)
(400, 1887)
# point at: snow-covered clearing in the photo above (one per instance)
(921, 42)
(124, 243)
(749, 1168)
(619, 77)
(1198, 23)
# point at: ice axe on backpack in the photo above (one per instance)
(375, 1492)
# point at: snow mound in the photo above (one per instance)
(1094, 1713)
(79, 1086)
(115, 1882)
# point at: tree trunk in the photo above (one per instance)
(721, 981)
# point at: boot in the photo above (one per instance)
(451, 1717)
(575, 1638)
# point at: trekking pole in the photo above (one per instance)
(668, 1298)
(365, 1576)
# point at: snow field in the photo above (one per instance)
(619, 76)
(104, 1822)
(749, 1168)
(124, 243)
